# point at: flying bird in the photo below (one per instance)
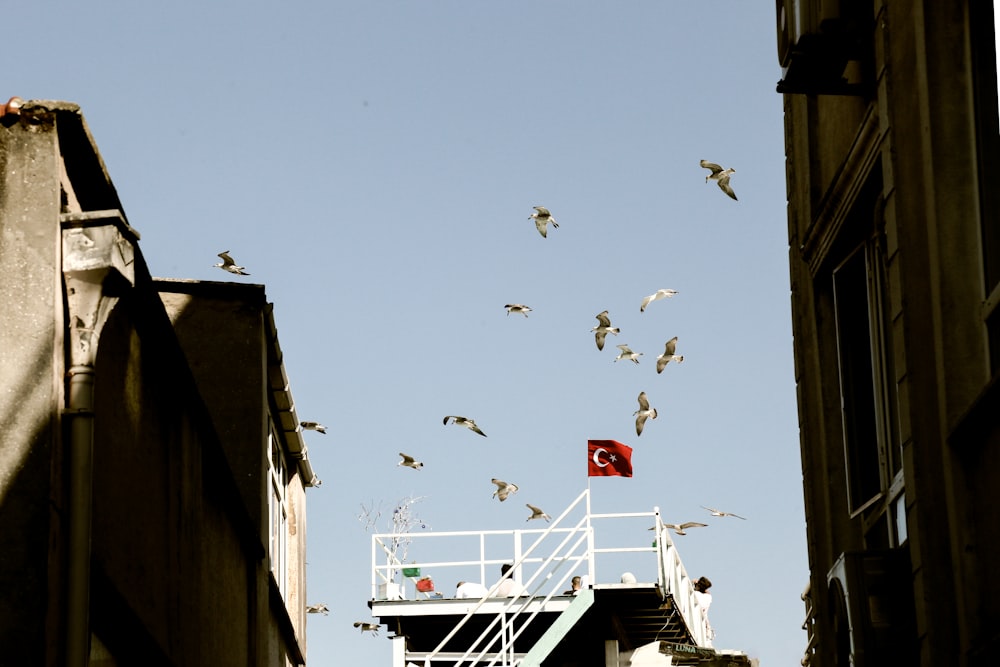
(720, 176)
(656, 296)
(643, 413)
(313, 426)
(668, 355)
(463, 421)
(537, 513)
(503, 489)
(367, 627)
(679, 529)
(317, 609)
(627, 353)
(410, 462)
(227, 264)
(603, 329)
(716, 512)
(517, 308)
(542, 218)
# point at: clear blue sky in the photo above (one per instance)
(374, 165)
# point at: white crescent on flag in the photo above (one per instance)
(597, 456)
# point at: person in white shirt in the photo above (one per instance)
(509, 588)
(471, 590)
(704, 599)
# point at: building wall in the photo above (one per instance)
(179, 570)
(896, 169)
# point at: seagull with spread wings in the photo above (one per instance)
(517, 308)
(644, 412)
(317, 609)
(537, 513)
(464, 421)
(681, 528)
(720, 176)
(313, 426)
(716, 512)
(627, 353)
(656, 296)
(410, 462)
(542, 219)
(669, 354)
(228, 264)
(603, 328)
(367, 627)
(503, 489)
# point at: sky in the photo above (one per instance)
(374, 164)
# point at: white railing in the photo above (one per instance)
(549, 573)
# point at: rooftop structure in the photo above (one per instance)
(616, 618)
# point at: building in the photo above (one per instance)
(152, 473)
(891, 137)
(649, 618)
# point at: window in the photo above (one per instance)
(872, 451)
(278, 511)
(987, 83)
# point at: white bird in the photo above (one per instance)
(716, 512)
(313, 426)
(463, 421)
(227, 264)
(720, 176)
(367, 627)
(503, 489)
(517, 308)
(659, 294)
(410, 462)
(317, 609)
(603, 328)
(643, 413)
(679, 529)
(542, 218)
(537, 513)
(627, 353)
(668, 355)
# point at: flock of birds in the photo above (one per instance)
(543, 219)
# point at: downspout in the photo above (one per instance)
(97, 263)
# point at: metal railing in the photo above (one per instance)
(553, 566)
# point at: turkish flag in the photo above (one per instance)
(608, 458)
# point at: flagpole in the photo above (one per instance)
(590, 539)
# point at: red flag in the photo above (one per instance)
(608, 458)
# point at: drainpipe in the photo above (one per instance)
(97, 265)
(81, 455)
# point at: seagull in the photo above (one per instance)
(318, 609)
(517, 308)
(227, 264)
(716, 512)
(313, 426)
(503, 489)
(463, 421)
(537, 513)
(627, 353)
(720, 176)
(603, 329)
(542, 218)
(410, 462)
(367, 627)
(643, 412)
(679, 529)
(668, 355)
(659, 294)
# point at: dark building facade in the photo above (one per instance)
(891, 136)
(151, 512)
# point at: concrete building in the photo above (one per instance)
(152, 474)
(891, 137)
